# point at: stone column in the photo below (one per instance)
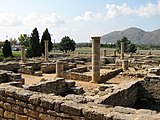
(122, 50)
(125, 65)
(46, 50)
(59, 68)
(22, 54)
(114, 53)
(104, 53)
(95, 59)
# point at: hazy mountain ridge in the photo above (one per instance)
(136, 35)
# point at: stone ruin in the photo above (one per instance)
(61, 99)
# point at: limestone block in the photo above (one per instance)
(41, 109)
(34, 99)
(77, 90)
(20, 103)
(93, 114)
(1, 112)
(23, 95)
(76, 98)
(57, 104)
(124, 110)
(21, 117)
(38, 73)
(9, 115)
(47, 103)
(71, 108)
(10, 100)
(17, 109)
(46, 117)
(7, 106)
(70, 83)
(31, 113)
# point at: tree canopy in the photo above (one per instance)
(67, 44)
(24, 39)
(128, 45)
(7, 51)
(34, 49)
(46, 36)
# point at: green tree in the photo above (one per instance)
(34, 49)
(46, 36)
(67, 44)
(7, 52)
(128, 45)
(24, 39)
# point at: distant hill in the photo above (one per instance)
(135, 35)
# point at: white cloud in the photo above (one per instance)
(149, 10)
(87, 16)
(35, 20)
(10, 19)
(115, 10)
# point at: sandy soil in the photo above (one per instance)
(30, 79)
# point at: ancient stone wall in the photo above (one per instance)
(150, 90)
(109, 75)
(77, 76)
(9, 76)
(125, 94)
(79, 70)
(10, 66)
(20, 104)
(48, 67)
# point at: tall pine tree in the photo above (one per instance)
(34, 49)
(46, 36)
(7, 52)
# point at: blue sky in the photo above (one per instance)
(78, 19)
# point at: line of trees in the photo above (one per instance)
(35, 47)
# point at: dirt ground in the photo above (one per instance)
(30, 79)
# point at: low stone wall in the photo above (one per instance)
(10, 66)
(150, 89)
(79, 70)
(108, 59)
(58, 86)
(125, 94)
(111, 74)
(19, 104)
(8, 76)
(77, 76)
(48, 67)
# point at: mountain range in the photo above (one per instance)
(135, 35)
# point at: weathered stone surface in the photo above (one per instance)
(46, 117)
(34, 99)
(76, 98)
(30, 106)
(23, 95)
(7, 106)
(21, 117)
(94, 114)
(17, 109)
(41, 110)
(9, 115)
(1, 112)
(57, 104)
(47, 103)
(20, 103)
(71, 108)
(124, 110)
(38, 73)
(31, 113)
(10, 100)
(70, 83)
(77, 90)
